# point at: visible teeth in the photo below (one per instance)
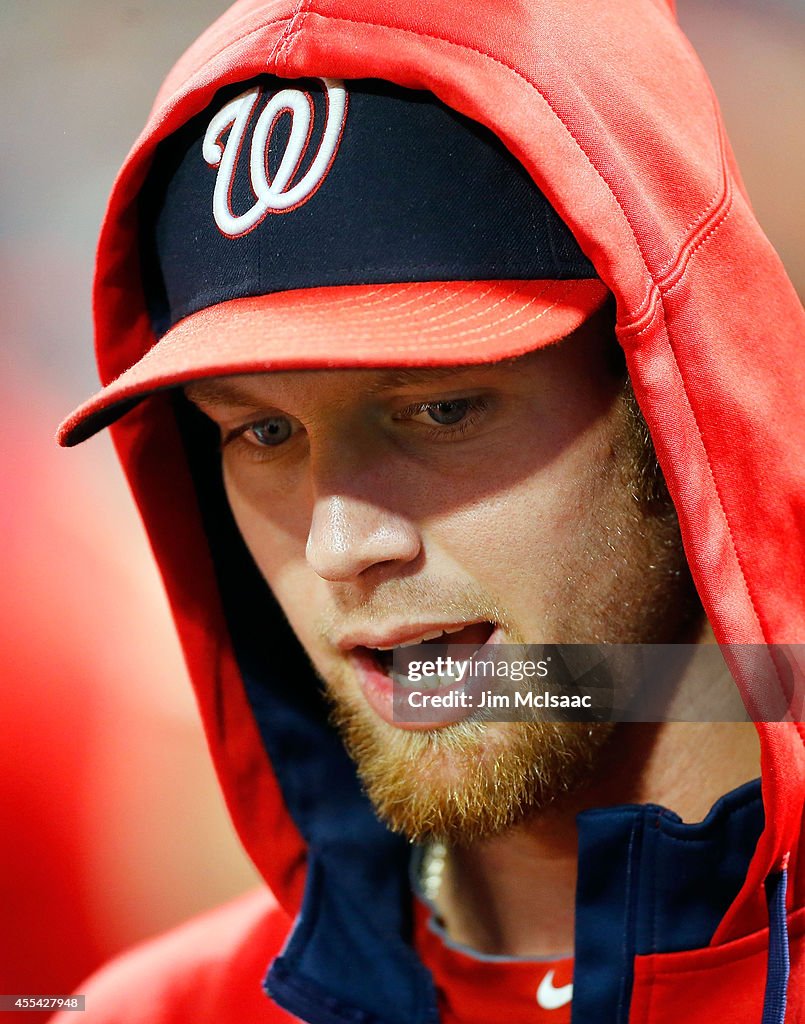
(401, 678)
(413, 643)
(426, 683)
(422, 639)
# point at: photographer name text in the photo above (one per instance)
(417, 699)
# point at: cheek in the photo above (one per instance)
(275, 527)
(510, 541)
(274, 520)
(528, 542)
(532, 518)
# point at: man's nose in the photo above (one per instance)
(349, 535)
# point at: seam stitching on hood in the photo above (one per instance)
(667, 289)
(159, 115)
(496, 60)
(281, 44)
(722, 193)
(632, 328)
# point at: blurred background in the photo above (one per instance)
(113, 827)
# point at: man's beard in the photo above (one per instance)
(466, 781)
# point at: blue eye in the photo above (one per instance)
(271, 432)
(446, 418)
(450, 411)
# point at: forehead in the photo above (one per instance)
(251, 389)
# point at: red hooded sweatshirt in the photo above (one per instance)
(611, 114)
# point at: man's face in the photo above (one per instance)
(384, 506)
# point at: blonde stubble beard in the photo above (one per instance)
(467, 781)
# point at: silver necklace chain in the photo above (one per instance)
(431, 870)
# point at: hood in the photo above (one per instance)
(608, 109)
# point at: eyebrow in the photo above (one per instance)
(405, 377)
(220, 391)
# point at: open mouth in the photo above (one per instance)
(471, 639)
(393, 677)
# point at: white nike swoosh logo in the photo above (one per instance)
(551, 998)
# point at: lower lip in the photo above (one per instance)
(381, 693)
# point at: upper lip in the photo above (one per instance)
(406, 633)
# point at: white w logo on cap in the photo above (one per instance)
(279, 195)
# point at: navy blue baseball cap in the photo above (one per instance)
(312, 223)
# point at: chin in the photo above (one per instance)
(469, 781)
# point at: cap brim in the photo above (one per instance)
(388, 325)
